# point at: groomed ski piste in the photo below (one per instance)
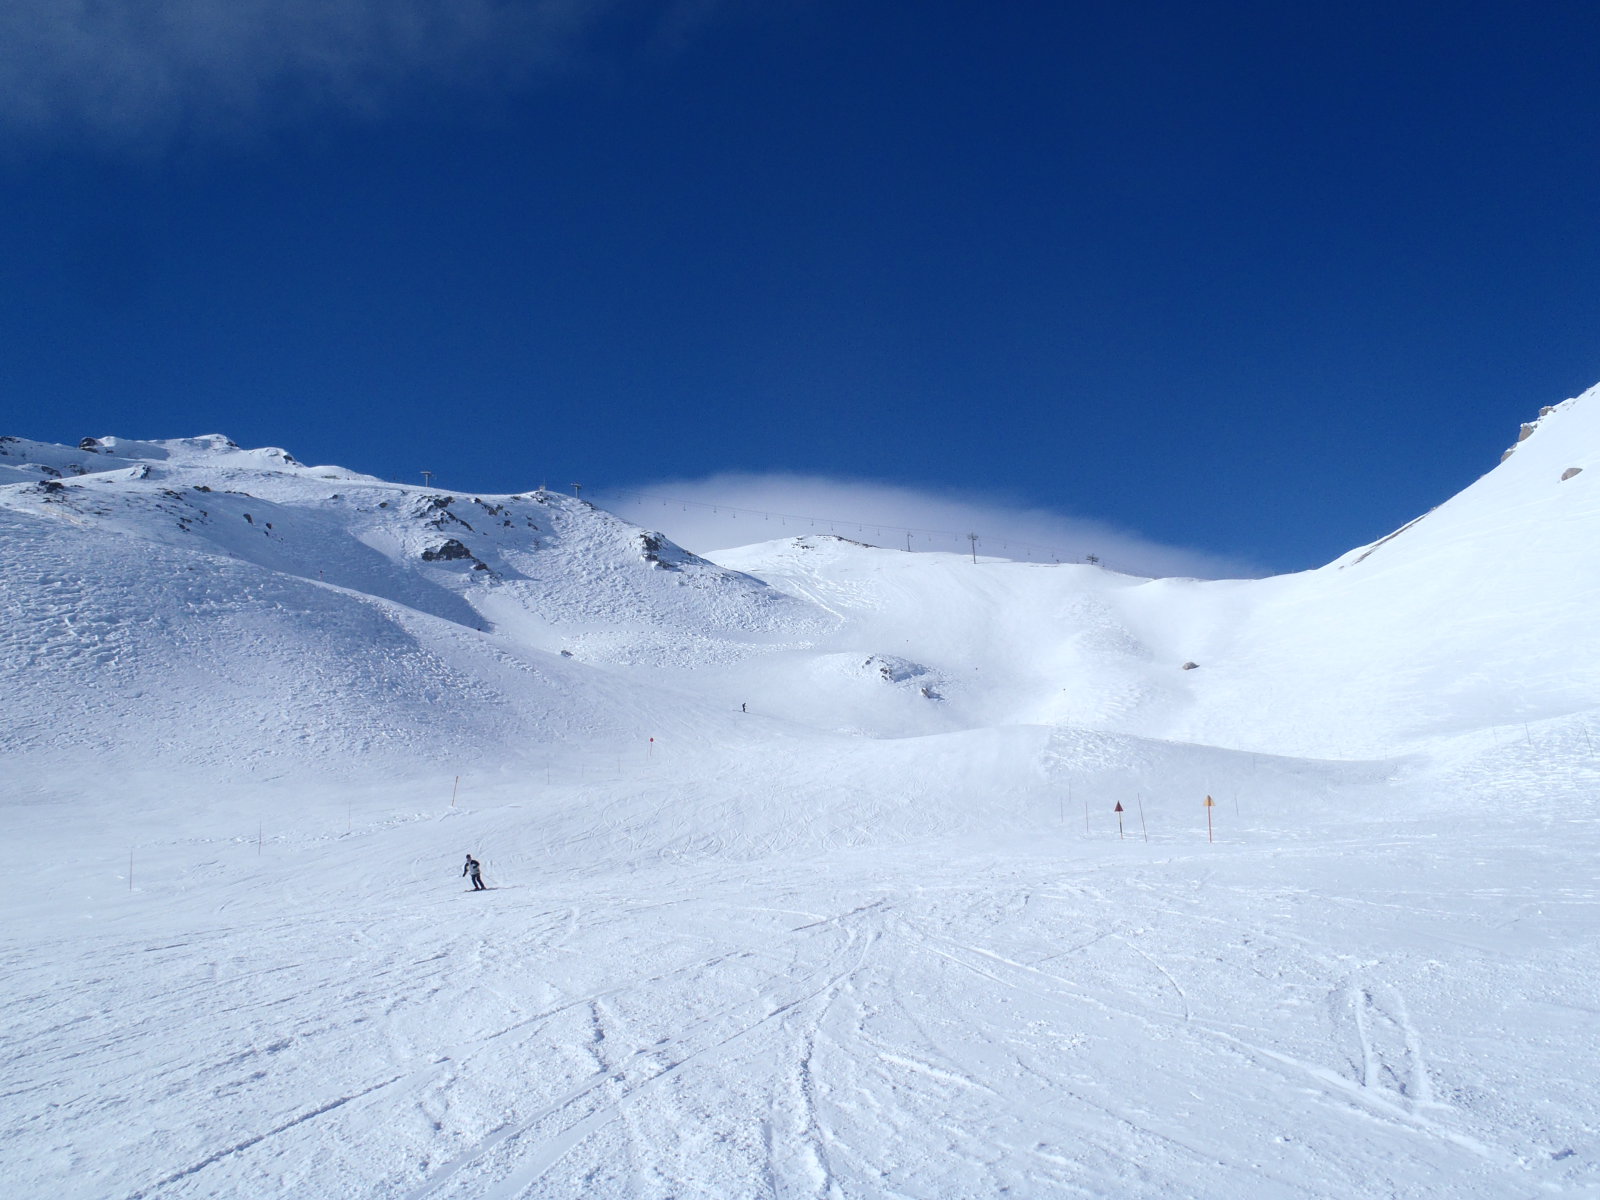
(805, 866)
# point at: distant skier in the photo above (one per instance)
(742, 708)
(475, 869)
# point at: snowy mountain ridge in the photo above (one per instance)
(997, 643)
(819, 869)
(328, 588)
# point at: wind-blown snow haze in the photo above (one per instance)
(729, 510)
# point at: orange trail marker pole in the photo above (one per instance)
(1119, 818)
(1210, 804)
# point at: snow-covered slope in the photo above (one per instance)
(198, 602)
(810, 874)
(1476, 616)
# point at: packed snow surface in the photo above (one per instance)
(806, 872)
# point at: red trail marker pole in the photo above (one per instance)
(1119, 819)
(1210, 804)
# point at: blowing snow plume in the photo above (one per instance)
(724, 511)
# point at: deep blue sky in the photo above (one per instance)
(1266, 280)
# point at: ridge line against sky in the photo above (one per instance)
(701, 515)
(1265, 282)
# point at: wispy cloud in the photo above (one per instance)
(152, 68)
(706, 515)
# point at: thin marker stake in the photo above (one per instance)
(456, 787)
(1140, 802)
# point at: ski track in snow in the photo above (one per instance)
(1048, 1024)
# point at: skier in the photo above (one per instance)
(742, 708)
(475, 869)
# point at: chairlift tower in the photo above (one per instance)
(973, 538)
